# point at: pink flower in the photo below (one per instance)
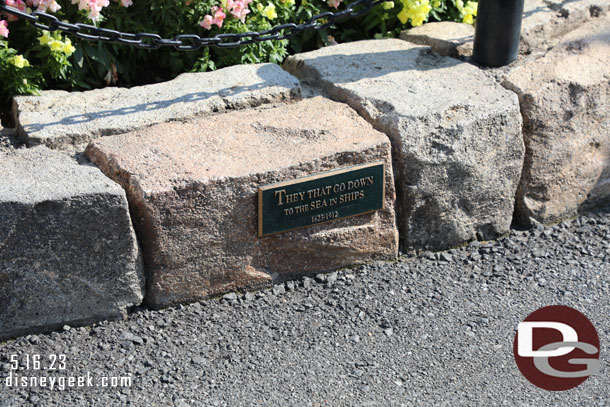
(219, 17)
(18, 4)
(94, 10)
(50, 5)
(242, 14)
(3, 29)
(53, 6)
(237, 7)
(11, 3)
(240, 9)
(207, 22)
(126, 3)
(334, 3)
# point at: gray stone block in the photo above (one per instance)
(565, 102)
(455, 133)
(193, 187)
(59, 119)
(68, 252)
(546, 21)
(445, 38)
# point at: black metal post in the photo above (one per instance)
(496, 38)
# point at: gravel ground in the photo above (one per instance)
(436, 329)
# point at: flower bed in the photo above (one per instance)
(32, 60)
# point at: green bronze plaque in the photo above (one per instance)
(320, 198)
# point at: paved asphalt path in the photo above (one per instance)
(430, 330)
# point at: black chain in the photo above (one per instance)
(189, 42)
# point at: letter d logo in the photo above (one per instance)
(556, 348)
(525, 336)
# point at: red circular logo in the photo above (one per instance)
(556, 348)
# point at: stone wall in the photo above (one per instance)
(466, 151)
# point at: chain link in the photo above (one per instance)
(190, 42)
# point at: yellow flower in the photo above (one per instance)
(56, 46)
(403, 16)
(415, 10)
(388, 5)
(420, 15)
(19, 61)
(269, 11)
(288, 2)
(471, 8)
(437, 4)
(468, 11)
(68, 48)
(45, 39)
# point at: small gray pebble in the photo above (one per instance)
(197, 360)
(321, 278)
(446, 257)
(307, 282)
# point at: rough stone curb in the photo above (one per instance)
(68, 252)
(445, 38)
(59, 119)
(88, 115)
(544, 23)
(565, 103)
(193, 191)
(457, 145)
